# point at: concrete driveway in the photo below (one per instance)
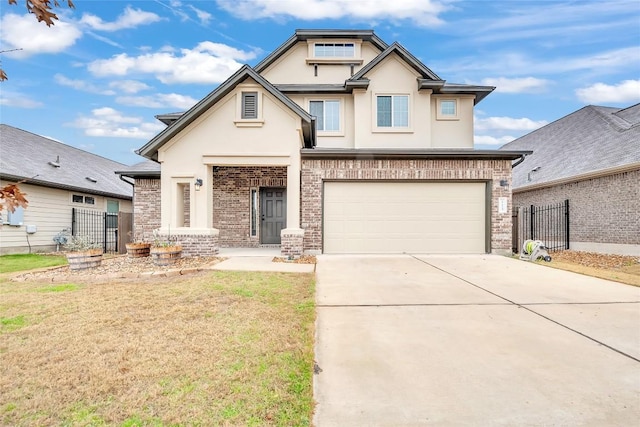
(473, 340)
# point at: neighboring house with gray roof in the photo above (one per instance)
(592, 158)
(57, 178)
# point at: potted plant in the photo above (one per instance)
(137, 248)
(164, 250)
(83, 252)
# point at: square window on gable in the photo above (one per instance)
(327, 114)
(249, 105)
(392, 111)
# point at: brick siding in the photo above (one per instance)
(602, 210)
(146, 208)
(315, 171)
(231, 201)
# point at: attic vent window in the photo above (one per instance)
(334, 50)
(249, 105)
(88, 178)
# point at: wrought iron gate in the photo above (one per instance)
(550, 224)
(110, 230)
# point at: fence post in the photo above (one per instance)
(532, 228)
(566, 222)
(104, 232)
(73, 221)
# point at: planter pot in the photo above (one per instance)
(166, 255)
(138, 250)
(84, 259)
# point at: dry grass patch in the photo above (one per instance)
(619, 268)
(222, 348)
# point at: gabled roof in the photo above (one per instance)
(403, 53)
(303, 35)
(43, 161)
(428, 80)
(150, 150)
(589, 142)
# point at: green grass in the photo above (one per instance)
(59, 288)
(8, 324)
(21, 262)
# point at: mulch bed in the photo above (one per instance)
(304, 259)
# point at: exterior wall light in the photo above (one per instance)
(198, 184)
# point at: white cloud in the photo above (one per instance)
(130, 18)
(18, 100)
(421, 12)
(204, 17)
(625, 91)
(82, 85)
(160, 100)
(517, 85)
(508, 123)
(208, 62)
(108, 122)
(129, 86)
(33, 37)
(491, 140)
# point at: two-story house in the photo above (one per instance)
(337, 143)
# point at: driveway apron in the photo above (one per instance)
(472, 340)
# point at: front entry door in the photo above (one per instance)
(273, 211)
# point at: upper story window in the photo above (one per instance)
(334, 50)
(327, 113)
(392, 111)
(447, 109)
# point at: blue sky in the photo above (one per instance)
(99, 76)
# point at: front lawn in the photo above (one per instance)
(21, 262)
(221, 348)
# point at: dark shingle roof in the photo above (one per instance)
(589, 140)
(25, 155)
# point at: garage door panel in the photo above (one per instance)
(396, 217)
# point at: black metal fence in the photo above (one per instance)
(104, 228)
(549, 224)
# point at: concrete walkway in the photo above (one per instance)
(258, 259)
(473, 341)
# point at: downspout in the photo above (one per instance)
(128, 182)
(519, 161)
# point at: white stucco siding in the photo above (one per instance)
(456, 133)
(292, 67)
(220, 137)
(49, 210)
(392, 77)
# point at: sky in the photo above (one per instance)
(98, 77)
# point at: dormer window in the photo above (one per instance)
(334, 50)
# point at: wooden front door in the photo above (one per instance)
(273, 214)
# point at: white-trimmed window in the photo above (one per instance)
(334, 50)
(447, 109)
(327, 114)
(392, 111)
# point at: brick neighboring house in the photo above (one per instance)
(336, 142)
(592, 158)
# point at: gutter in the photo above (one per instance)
(519, 161)
(407, 154)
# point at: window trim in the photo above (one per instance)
(356, 59)
(341, 121)
(392, 129)
(441, 116)
(251, 122)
